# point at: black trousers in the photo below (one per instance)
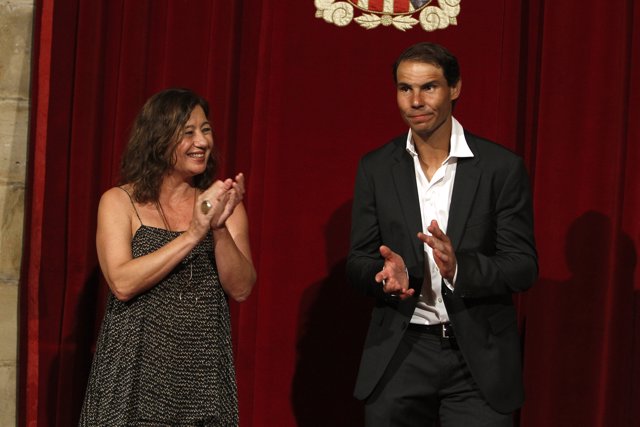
(428, 381)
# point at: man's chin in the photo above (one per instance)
(422, 131)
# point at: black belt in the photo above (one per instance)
(444, 330)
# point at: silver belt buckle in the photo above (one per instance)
(445, 331)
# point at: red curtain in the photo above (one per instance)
(295, 102)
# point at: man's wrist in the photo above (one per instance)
(451, 283)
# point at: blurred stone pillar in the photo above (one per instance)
(16, 23)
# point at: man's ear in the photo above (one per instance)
(455, 90)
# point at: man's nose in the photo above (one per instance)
(416, 99)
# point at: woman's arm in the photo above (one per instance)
(233, 255)
(128, 276)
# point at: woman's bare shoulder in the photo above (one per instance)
(117, 198)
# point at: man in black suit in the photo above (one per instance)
(442, 236)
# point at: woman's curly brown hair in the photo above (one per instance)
(150, 153)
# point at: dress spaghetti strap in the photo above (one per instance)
(133, 204)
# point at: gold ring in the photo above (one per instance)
(205, 206)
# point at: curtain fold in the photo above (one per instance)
(580, 316)
(295, 102)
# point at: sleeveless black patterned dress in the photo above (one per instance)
(164, 358)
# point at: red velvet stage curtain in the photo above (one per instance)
(295, 102)
(582, 356)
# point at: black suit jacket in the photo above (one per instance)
(491, 229)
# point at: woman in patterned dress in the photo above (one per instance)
(173, 245)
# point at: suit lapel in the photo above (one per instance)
(404, 179)
(464, 192)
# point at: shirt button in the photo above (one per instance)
(439, 299)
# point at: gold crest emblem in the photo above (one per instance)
(399, 13)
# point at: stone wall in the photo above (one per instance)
(15, 60)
